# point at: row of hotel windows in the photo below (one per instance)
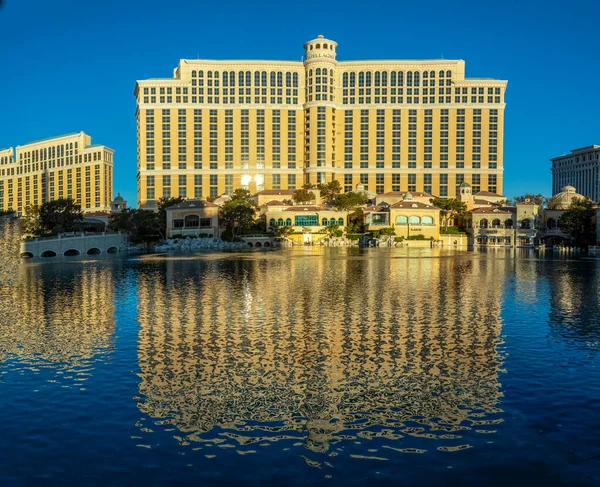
(27, 166)
(582, 158)
(244, 78)
(349, 179)
(380, 78)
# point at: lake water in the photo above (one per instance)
(304, 366)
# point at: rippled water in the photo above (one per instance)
(412, 367)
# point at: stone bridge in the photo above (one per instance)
(69, 244)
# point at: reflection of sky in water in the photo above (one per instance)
(321, 352)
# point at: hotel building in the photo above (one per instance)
(580, 168)
(58, 167)
(388, 125)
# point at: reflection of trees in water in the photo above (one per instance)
(574, 300)
(319, 349)
(57, 316)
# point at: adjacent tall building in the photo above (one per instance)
(389, 125)
(580, 168)
(58, 167)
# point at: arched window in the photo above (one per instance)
(400, 78)
(341, 222)
(425, 74)
(295, 80)
(369, 76)
(432, 74)
(324, 72)
(361, 79)
(324, 222)
(263, 78)
(508, 223)
(384, 78)
(417, 80)
(231, 78)
(209, 74)
(414, 220)
(193, 74)
(272, 78)
(272, 222)
(217, 74)
(441, 74)
(448, 74)
(279, 79)
(409, 78)
(200, 74)
(526, 224)
(332, 221)
(496, 223)
(427, 220)
(288, 222)
(318, 46)
(318, 72)
(377, 78)
(352, 79)
(345, 80)
(483, 223)
(311, 47)
(256, 78)
(393, 78)
(192, 221)
(248, 78)
(280, 222)
(401, 220)
(241, 78)
(288, 80)
(324, 46)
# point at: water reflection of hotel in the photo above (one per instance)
(54, 315)
(314, 348)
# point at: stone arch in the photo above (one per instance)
(71, 252)
(26, 255)
(258, 244)
(48, 253)
(94, 251)
(112, 250)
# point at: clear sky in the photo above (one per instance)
(71, 65)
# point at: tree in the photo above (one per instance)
(30, 221)
(349, 201)
(389, 231)
(61, 215)
(450, 209)
(578, 220)
(237, 215)
(140, 225)
(283, 231)
(553, 202)
(356, 221)
(334, 230)
(308, 186)
(330, 189)
(303, 196)
(242, 195)
(536, 199)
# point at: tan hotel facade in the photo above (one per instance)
(58, 167)
(389, 125)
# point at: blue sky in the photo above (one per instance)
(71, 65)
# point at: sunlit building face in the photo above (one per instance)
(389, 125)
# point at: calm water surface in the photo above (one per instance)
(328, 366)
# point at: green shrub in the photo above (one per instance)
(354, 236)
(420, 236)
(398, 239)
